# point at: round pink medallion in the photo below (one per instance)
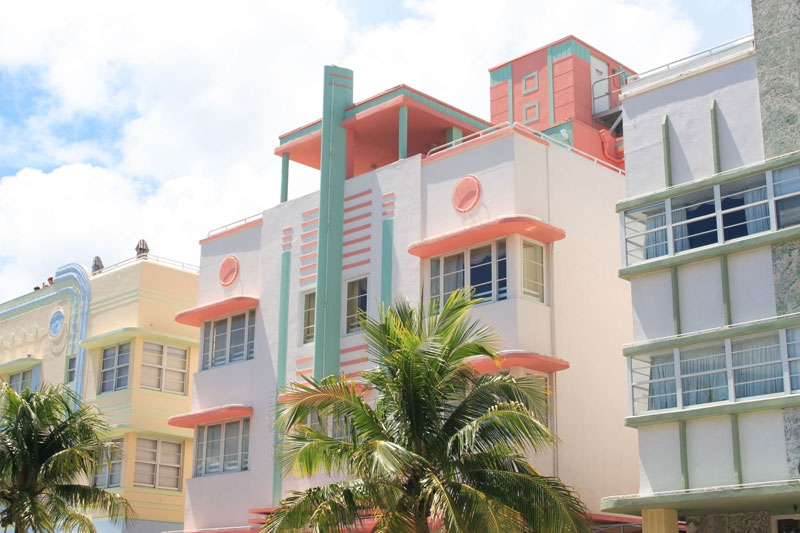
(229, 270)
(466, 193)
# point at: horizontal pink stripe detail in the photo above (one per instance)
(308, 256)
(353, 265)
(309, 233)
(388, 195)
(389, 212)
(353, 361)
(306, 268)
(286, 245)
(215, 414)
(388, 203)
(287, 238)
(312, 277)
(341, 76)
(356, 241)
(359, 228)
(340, 85)
(358, 217)
(308, 245)
(305, 371)
(306, 359)
(353, 349)
(357, 195)
(310, 211)
(311, 222)
(287, 229)
(358, 206)
(355, 252)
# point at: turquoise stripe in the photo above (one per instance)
(550, 84)
(280, 374)
(386, 261)
(311, 128)
(402, 132)
(284, 177)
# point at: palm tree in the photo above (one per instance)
(443, 445)
(49, 442)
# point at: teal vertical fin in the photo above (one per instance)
(550, 87)
(667, 151)
(402, 132)
(280, 371)
(453, 133)
(284, 177)
(386, 261)
(338, 94)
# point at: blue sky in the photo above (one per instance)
(121, 121)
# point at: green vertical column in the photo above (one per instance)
(280, 371)
(737, 450)
(667, 151)
(550, 88)
(726, 289)
(402, 132)
(284, 177)
(338, 94)
(715, 137)
(676, 301)
(453, 133)
(386, 261)
(684, 455)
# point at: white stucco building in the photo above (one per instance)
(710, 233)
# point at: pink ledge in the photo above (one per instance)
(198, 315)
(525, 225)
(508, 359)
(206, 416)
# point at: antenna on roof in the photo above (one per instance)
(97, 264)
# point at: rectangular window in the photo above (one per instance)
(653, 378)
(533, 270)
(71, 369)
(757, 368)
(482, 268)
(164, 368)
(646, 233)
(745, 207)
(793, 349)
(229, 340)
(222, 447)
(356, 303)
(703, 375)
(786, 186)
(158, 464)
(309, 309)
(115, 365)
(20, 381)
(694, 221)
(109, 472)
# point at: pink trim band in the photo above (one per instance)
(358, 206)
(359, 228)
(198, 315)
(215, 414)
(353, 349)
(243, 227)
(357, 195)
(358, 264)
(510, 358)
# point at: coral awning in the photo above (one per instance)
(511, 358)
(207, 416)
(525, 225)
(198, 315)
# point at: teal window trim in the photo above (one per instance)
(535, 76)
(525, 118)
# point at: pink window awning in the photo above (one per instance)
(209, 416)
(525, 225)
(198, 315)
(512, 358)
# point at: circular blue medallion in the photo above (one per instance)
(56, 323)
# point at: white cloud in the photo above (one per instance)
(205, 89)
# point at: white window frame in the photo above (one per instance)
(72, 369)
(465, 255)
(200, 447)
(116, 367)
(346, 323)
(209, 340)
(24, 377)
(543, 299)
(305, 336)
(771, 201)
(107, 469)
(158, 463)
(164, 367)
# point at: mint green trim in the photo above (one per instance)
(284, 177)
(280, 371)
(311, 128)
(684, 455)
(535, 76)
(438, 106)
(667, 151)
(707, 252)
(724, 332)
(709, 181)
(716, 409)
(737, 451)
(676, 302)
(402, 132)
(500, 75)
(555, 132)
(387, 249)
(510, 101)
(331, 222)
(123, 334)
(715, 137)
(775, 497)
(571, 47)
(550, 85)
(726, 290)
(525, 118)
(453, 134)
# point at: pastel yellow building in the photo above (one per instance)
(110, 335)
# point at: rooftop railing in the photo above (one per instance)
(235, 224)
(153, 259)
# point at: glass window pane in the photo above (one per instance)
(231, 459)
(199, 453)
(705, 379)
(757, 368)
(453, 278)
(237, 342)
(480, 271)
(176, 358)
(786, 180)
(693, 221)
(502, 281)
(251, 334)
(356, 303)
(144, 474)
(533, 270)
(788, 211)
(245, 442)
(174, 381)
(151, 377)
(309, 309)
(206, 346)
(645, 232)
(213, 441)
(220, 356)
(654, 385)
(169, 477)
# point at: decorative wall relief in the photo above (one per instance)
(786, 274)
(729, 523)
(791, 431)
